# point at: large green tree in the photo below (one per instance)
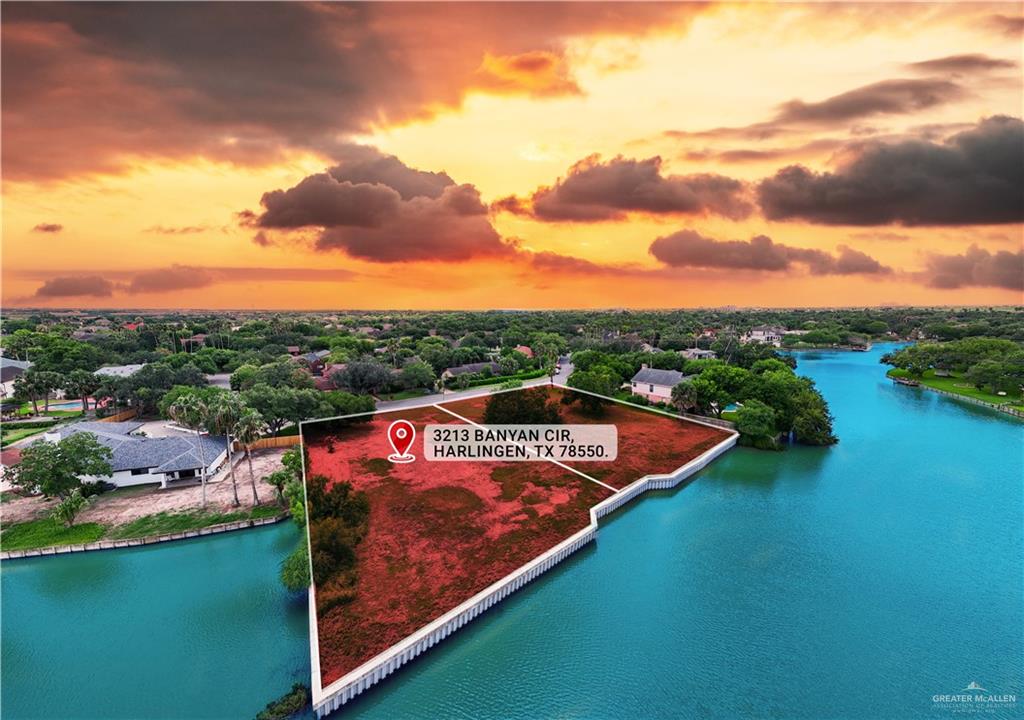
(57, 468)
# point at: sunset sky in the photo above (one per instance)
(511, 156)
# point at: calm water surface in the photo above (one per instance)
(851, 582)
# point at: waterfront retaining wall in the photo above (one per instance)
(975, 401)
(136, 542)
(329, 699)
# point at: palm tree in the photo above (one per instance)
(684, 396)
(27, 387)
(48, 382)
(190, 411)
(225, 411)
(81, 384)
(249, 428)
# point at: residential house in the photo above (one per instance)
(193, 343)
(140, 460)
(767, 334)
(656, 385)
(325, 380)
(471, 368)
(131, 326)
(119, 371)
(698, 354)
(294, 350)
(525, 350)
(314, 361)
(10, 370)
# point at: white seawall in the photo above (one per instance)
(330, 698)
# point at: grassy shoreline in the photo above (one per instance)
(956, 385)
(46, 532)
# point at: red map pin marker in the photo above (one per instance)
(401, 433)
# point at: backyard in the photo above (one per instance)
(141, 510)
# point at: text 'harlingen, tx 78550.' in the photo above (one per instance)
(453, 443)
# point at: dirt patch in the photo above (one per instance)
(122, 506)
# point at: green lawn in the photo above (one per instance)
(959, 386)
(46, 532)
(163, 523)
(12, 436)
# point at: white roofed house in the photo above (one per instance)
(656, 385)
(120, 371)
(698, 354)
(138, 460)
(767, 334)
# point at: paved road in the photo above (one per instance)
(448, 395)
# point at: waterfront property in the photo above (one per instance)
(655, 385)
(873, 577)
(445, 541)
(138, 460)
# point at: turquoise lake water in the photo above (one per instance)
(851, 582)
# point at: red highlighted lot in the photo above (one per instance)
(438, 533)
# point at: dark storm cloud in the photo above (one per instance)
(594, 191)
(242, 84)
(170, 279)
(752, 155)
(452, 228)
(48, 228)
(889, 97)
(374, 207)
(320, 200)
(76, 286)
(977, 267)
(365, 164)
(975, 177)
(1012, 26)
(687, 248)
(963, 64)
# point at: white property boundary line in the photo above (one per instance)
(328, 699)
(550, 460)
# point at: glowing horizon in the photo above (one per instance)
(513, 166)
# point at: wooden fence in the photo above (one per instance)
(123, 415)
(272, 442)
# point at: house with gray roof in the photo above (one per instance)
(471, 368)
(656, 385)
(139, 460)
(10, 369)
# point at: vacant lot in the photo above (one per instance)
(649, 442)
(439, 533)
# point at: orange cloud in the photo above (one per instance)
(537, 73)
